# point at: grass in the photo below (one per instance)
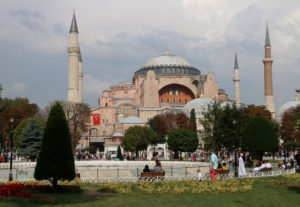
(272, 191)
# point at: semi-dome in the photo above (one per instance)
(200, 105)
(285, 107)
(133, 120)
(168, 64)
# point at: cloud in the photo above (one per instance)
(33, 20)
(18, 87)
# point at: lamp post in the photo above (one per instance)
(235, 154)
(11, 124)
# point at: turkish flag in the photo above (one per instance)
(96, 119)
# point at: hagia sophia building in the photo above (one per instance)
(164, 83)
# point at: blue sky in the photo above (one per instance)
(117, 37)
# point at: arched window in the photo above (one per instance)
(94, 132)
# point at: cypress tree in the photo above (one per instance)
(193, 121)
(119, 153)
(31, 140)
(56, 160)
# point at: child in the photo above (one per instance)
(199, 175)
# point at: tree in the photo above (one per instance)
(259, 137)
(182, 140)
(134, 139)
(78, 117)
(17, 109)
(210, 132)
(231, 126)
(193, 122)
(259, 110)
(137, 138)
(19, 130)
(56, 160)
(31, 140)
(290, 124)
(163, 123)
(119, 153)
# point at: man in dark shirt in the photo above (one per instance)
(297, 157)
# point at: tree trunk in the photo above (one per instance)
(54, 183)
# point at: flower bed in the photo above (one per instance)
(21, 190)
(180, 187)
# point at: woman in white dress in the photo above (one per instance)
(242, 170)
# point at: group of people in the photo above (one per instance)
(261, 165)
(287, 164)
(157, 167)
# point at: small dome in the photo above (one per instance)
(200, 105)
(117, 134)
(167, 59)
(285, 107)
(133, 120)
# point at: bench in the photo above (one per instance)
(266, 169)
(222, 173)
(151, 176)
(262, 172)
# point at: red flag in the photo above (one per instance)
(96, 119)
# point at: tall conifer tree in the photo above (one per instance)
(56, 160)
(31, 141)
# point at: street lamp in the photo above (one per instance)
(11, 124)
(235, 154)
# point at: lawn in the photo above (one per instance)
(271, 191)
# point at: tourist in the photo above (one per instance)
(242, 170)
(256, 169)
(157, 167)
(199, 175)
(292, 162)
(146, 169)
(297, 157)
(213, 165)
(224, 167)
(282, 165)
(268, 164)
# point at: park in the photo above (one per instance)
(149, 103)
(57, 179)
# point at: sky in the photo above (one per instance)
(117, 37)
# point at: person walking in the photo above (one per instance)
(213, 165)
(242, 170)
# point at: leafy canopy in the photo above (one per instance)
(259, 137)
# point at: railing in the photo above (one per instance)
(175, 178)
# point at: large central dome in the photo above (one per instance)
(168, 65)
(167, 59)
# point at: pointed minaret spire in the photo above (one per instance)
(74, 27)
(267, 41)
(74, 65)
(236, 80)
(269, 102)
(236, 62)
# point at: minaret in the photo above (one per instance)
(80, 78)
(73, 51)
(236, 80)
(269, 103)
